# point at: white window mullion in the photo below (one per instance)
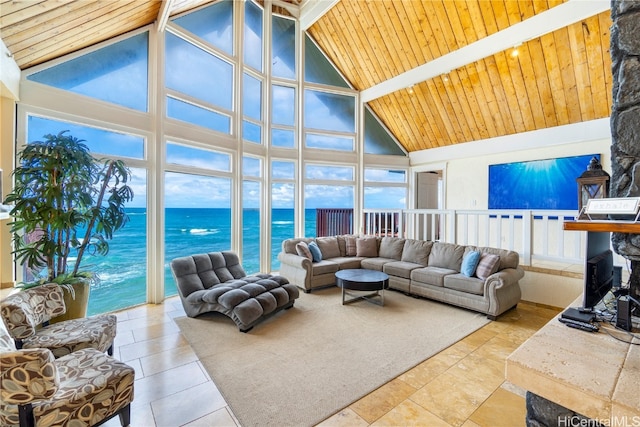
(155, 172)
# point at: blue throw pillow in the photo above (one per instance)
(469, 263)
(315, 252)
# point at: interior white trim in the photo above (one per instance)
(567, 134)
(557, 17)
(312, 10)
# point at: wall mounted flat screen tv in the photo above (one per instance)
(537, 184)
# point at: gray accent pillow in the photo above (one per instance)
(367, 246)
(391, 247)
(446, 255)
(416, 251)
(328, 246)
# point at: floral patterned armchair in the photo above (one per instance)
(26, 315)
(83, 388)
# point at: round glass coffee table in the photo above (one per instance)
(362, 280)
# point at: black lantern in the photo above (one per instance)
(592, 184)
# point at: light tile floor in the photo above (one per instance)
(461, 386)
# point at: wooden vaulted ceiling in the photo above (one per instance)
(562, 77)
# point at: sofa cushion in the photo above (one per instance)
(508, 259)
(374, 263)
(302, 249)
(431, 275)
(463, 283)
(367, 246)
(316, 253)
(489, 264)
(391, 247)
(416, 251)
(350, 246)
(328, 246)
(469, 263)
(446, 255)
(400, 268)
(323, 267)
(347, 262)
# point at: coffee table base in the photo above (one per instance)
(376, 297)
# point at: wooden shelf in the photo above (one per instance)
(603, 226)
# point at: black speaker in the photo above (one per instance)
(623, 318)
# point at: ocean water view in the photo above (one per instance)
(123, 272)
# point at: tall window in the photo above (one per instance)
(197, 206)
(251, 213)
(120, 67)
(122, 273)
(217, 106)
(385, 188)
(326, 187)
(282, 206)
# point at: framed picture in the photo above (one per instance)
(548, 184)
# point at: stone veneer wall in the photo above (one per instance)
(625, 121)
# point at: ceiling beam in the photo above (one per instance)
(546, 22)
(312, 10)
(163, 14)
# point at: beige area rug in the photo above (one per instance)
(304, 364)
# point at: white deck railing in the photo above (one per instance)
(535, 235)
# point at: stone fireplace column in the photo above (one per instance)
(625, 122)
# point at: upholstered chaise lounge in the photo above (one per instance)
(217, 282)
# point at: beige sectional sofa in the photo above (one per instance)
(439, 271)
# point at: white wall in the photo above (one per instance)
(466, 175)
(468, 179)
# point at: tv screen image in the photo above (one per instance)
(598, 279)
(537, 184)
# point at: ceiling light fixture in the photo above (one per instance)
(515, 52)
(410, 89)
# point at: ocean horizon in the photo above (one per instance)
(122, 273)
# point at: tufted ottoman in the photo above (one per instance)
(217, 282)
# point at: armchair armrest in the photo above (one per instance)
(295, 260)
(27, 375)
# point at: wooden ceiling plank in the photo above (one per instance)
(431, 107)
(596, 62)
(102, 28)
(392, 57)
(403, 48)
(554, 78)
(15, 12)
(371, 36)
(581, 69)
(543, 86)
(528, 74)
(407, 27)
(465, 91)
(402, 102)
(491, 109)
(451, 106)
(74, 21)
(61, 11)
(565, 65)
(605, 25)
(354, 46)
(515, 70)
(479, 78)
(501, 95)
(426, 34)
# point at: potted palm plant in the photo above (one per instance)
(65, 204)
